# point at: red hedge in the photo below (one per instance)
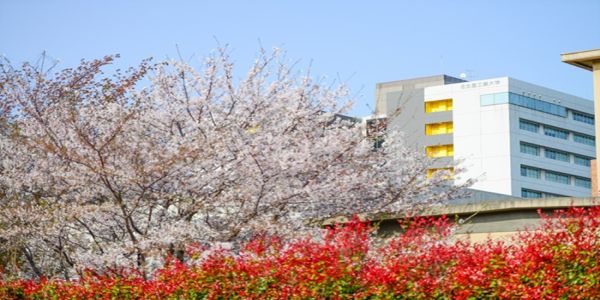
(561, 260)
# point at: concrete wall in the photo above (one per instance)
(403, 102)
(500, 219)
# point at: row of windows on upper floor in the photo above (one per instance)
(528, 193)
(533, 149)
(535, 104)
(557, 132)
(557, 177)
(516, 99)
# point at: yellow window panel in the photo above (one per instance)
(438, 105)
(439, 128)
(430, 172)
(440, 150)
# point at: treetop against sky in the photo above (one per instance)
(356, 43)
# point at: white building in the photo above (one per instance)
(513, 137)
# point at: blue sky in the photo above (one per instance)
(359, 42)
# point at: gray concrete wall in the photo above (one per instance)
(502, 218)
(403, 102)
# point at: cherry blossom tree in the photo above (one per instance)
(98, 171)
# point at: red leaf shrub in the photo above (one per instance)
(561, 260)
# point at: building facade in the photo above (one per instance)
(512, 137)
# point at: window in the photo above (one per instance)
(583, 117)
(556, 155)
(582, 160)
(378, 143)
(438, 105)
(529, 126)
(584, 139)
(530, 149)
(583, 182)
(557, 177)
(439, 128)
(491, 99)
(485, 100)
(555, 132)
(526, 193)
(523, 101)
(440, 151)
(430, 172)
(551, 195)
(530, 172)
(535, 104)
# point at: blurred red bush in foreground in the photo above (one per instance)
(559, 260)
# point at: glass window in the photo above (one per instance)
(583, 117)
(439, 128)
(440, 150)
(430, 172)
(501, 98)
(555, 132)
(556, 155)
(378, 143)
(582, 160)
(530, 172)
(438, 105)
(551, 195)
(583, 182)
(524, 101)
(491, 99)
(539, 105)
(526, 193)
(485, 100)
(530, 149)
(584, 139)
(557, 177)
(528, 125)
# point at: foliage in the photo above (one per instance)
(558, 261)
(97, 172)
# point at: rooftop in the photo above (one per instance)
(582, 59)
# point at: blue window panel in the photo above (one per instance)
(486, 100)
(557, 177)
(530, 172)
(584, 139)
(555, 132)
(556, 155)
(501, 98)
(582, 160)
(583, 182)
(583, 117)
(530, 149)
(531, 103)
(524, 101)
(529, 126)
(525, 193)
